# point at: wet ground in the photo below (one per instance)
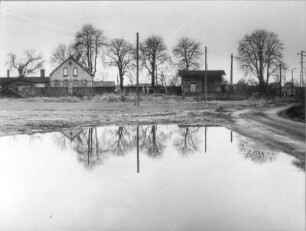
(148, 177)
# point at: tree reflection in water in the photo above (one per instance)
(122, 142)
(87, 147)
(251, 151)
(188, 141)
(152, 142)
(85, 143)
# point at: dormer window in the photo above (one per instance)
(75, 71)
(65, 71)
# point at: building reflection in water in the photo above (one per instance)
(92, 148)
(85, 143)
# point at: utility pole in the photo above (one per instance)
(137, 67)
(155, 74)
(205, 74)
(292, 80)
(302, 69)
(280, 80)
(138, 166)
(231, 81)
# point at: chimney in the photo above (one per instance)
(42, 73)
(8, 73)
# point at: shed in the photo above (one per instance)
(194, 81)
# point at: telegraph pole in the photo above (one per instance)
(138, 166)
(302, 53)
(137, 67)
(231, 81)
(292, 80)
(205, 74)
(280, 80)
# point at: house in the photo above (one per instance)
(23, 86)
(194, 81)
(71, 74)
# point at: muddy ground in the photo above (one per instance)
(257, 119)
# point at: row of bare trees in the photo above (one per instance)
(259, 54)
(90, 44)
(120, 53)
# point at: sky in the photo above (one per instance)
(219, 25)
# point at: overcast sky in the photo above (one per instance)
(219, 25)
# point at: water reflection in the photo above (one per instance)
(92, 146)
(85, 144)
(151, 141)
(188, 140)
(252, 151)
(136, 174)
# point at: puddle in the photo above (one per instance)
(155, 177)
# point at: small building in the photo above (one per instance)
(23, 86)
(288, 90)
(194, 81)
(71, 74)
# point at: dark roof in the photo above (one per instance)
(25, 79)
(201, 73)
(71, 58)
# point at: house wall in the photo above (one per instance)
(58, 75)
(212, 86)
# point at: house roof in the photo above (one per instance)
(71, 58)
(201, 73)
(72, 133)
(4, 80)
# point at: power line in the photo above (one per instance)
(39, 26)
(52, 21)
(52, 24)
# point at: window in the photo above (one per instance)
(75, 83)
(56, 83)
(84, 83)
(65, 71)
(75, 71)
(65, 83)
(40, 85)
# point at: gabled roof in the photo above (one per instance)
(72, 133)
(71, 58)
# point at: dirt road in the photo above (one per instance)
(266, 126)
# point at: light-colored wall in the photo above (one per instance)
(59, 75)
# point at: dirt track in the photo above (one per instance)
(271, 130)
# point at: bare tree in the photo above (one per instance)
(26, 65)
(88, 44)
(61, 53)
(121, 54)
(259, 55)
(152, 54)
(188, 53)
